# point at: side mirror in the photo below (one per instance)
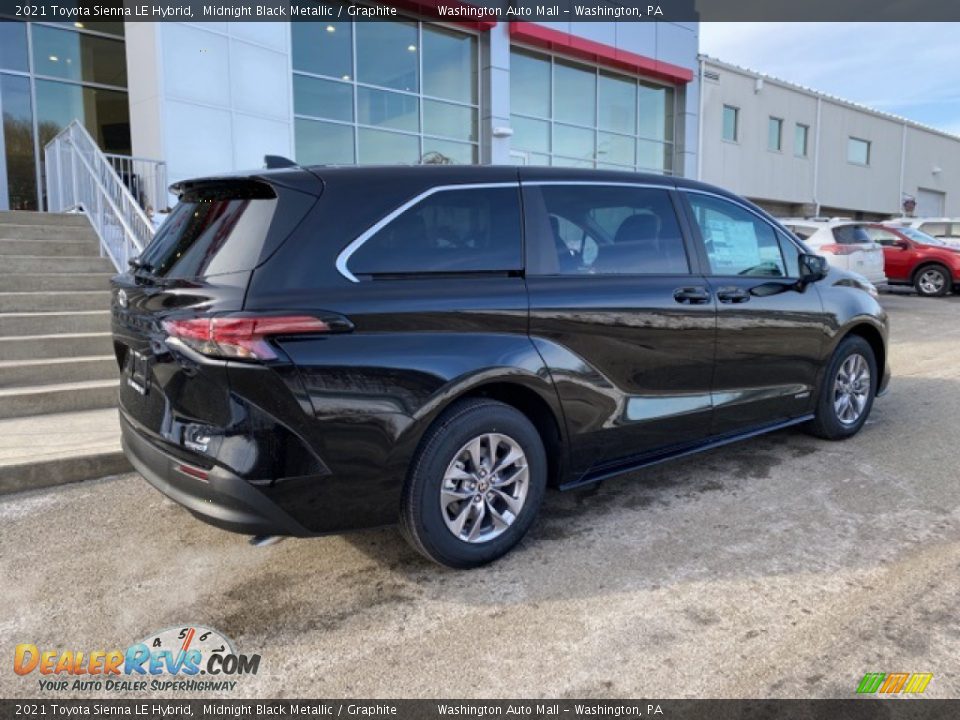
(812, 268)
(902, 244)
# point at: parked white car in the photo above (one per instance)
(944, 228)
(845, 244)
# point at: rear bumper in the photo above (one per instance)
(223, 499)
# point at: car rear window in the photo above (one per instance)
(213, 230)
(851, 235)
(449, 231)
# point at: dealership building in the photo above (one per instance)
(218, 96)
(798, 152)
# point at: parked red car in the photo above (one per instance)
(911, 257)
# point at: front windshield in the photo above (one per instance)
(920, 237)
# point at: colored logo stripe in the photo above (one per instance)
(870, 683)
(918, 682)
(893, 683)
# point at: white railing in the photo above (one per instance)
(145, 179)
(80, 177)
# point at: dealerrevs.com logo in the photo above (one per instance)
(189, 658)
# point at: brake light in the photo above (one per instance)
(836, 249)
(240, 337)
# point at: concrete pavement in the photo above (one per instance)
(782, 566)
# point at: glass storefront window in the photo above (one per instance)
(105, 113)
(13, 46)
(618, 104)
(323, 48)
(18, 142)
(446, 152)
(101, 26)
(575, 94)
(53, 73)
(529, 85)
(449, 120)
(378, 147)
(369, 76)
(656, 112)
(530, 135)
(596, 118)
(323, 143)
(322, 98)
(449, 65)
(616, 149)
(388, 55)
(78, 56)
(654, 156)
(574, 142)
(383, 109)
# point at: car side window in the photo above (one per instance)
(884, 237)
(450, 231)
(935, 229)
(614, 230)
(737, 241)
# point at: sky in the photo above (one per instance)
(909, 69)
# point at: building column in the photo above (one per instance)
(495, 100)
(210, 98)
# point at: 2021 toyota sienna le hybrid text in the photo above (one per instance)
(312, 350)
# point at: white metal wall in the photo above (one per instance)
(210, 97)
(904, 158)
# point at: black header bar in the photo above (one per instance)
(486, 10)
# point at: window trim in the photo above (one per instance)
(780, 123)
(736, 124)
(806, 140)
(868, 143)
(344, 257)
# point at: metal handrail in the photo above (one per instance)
(81, 177)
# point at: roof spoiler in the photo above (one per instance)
(275, 162)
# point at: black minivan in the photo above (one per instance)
(312, 350)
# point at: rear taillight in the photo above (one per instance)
(241, 337)
(835, 249)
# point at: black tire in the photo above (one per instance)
(422, 520)
(828, 424)
(932, 281)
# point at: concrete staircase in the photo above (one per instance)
(58, 375)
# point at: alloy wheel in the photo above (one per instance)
(484, 488)
(931, 282)
(851, 389)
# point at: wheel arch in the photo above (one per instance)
(537, 410)
(874, 338)
(925, 265)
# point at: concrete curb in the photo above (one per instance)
(51, 473)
